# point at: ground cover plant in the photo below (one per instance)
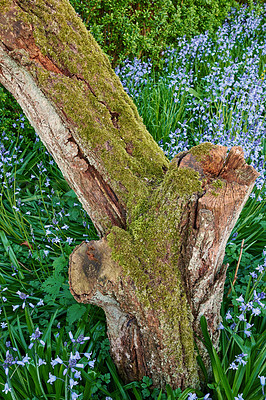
(53, 348)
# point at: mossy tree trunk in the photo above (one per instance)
(164, 226)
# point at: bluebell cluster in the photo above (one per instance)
(224, 79)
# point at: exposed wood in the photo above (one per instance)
(164, 226)
(216, 214)
(78, 107)
(205, 225)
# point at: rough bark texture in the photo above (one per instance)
(76, 103)
(165, 270)
(164, 226)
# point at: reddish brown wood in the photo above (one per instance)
(158, 266)
(206, 223)
(76, 103)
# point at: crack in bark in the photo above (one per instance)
(132, 339)
(199, 196)
(180, 157)
(27, 42)
(114, 115)
(190, 215)
(105, 189)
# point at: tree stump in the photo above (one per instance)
(164, 226)
(155, 279)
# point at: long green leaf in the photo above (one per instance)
(10, 252)
(218, 371)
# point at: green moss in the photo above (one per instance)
(124, 168)
(4, 6)
(200, 151)
(149, 254)
(218, 184)
(184, 181)
(86, 82)
(11, 12)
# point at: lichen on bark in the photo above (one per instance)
(4, 5)
(148, 252)
(74, 74)
(167, 233)
(202, 150)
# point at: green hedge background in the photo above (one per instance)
(128, 28)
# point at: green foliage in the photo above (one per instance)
(54, 282)
(130, 28)
(12, 118)
(36, 205)
(243, 343)
(75, 312)
(154, 99)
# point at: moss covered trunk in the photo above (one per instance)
(164, 226)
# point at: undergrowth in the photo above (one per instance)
(54, 348)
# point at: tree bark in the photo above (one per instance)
(164, 226)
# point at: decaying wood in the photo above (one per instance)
(216, 214)
(78, 107)
(164, 226)
(206, 224)
(95, 277)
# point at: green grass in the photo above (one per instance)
(41, 221)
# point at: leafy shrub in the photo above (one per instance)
(44, 332)
(130, 28)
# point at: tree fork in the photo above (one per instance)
(164, 226)
(208, 213)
